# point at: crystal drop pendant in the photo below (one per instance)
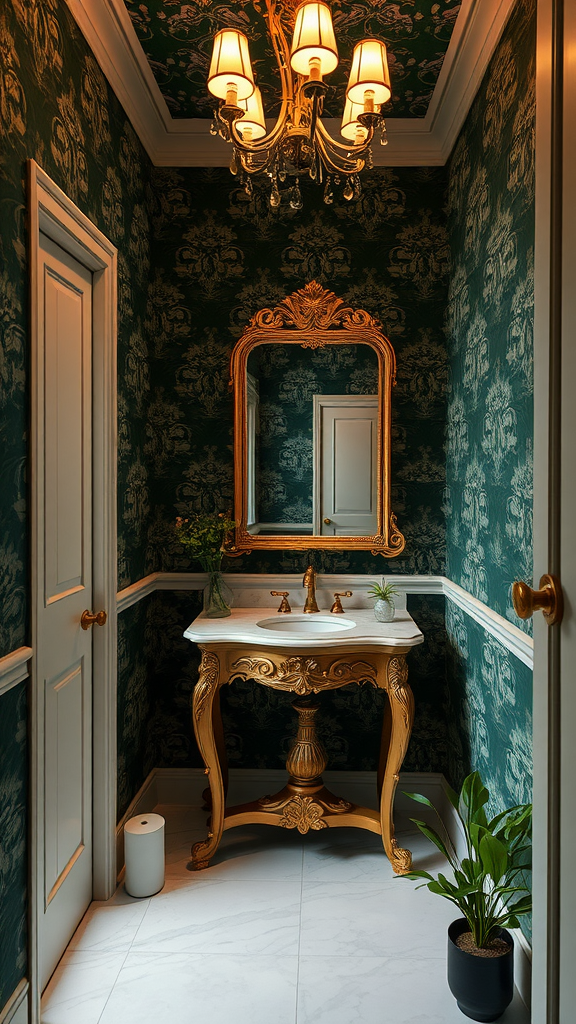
(328, 193)
(348, 192)
(275, 198)
(234, 164)
(296, 197)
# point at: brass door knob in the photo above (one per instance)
(548, 599)
(90, 619)
(327, 522)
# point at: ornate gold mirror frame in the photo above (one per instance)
(313, 317)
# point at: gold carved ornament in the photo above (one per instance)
(313, 317)
(303, 675)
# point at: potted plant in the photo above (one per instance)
(383, 596)
(203, 535)
(489, 890)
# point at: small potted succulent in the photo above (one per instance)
(202, 535)
(383, 597)
(489, 890)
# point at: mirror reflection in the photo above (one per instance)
(312, 440)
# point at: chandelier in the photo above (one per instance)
(299, 143)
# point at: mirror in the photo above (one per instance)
(312, 384)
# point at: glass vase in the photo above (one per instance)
(218, 596)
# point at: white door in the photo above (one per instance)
(345, 465)
(63, 591)
(554, 946)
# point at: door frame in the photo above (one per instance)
(53, 213)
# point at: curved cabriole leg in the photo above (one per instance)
(401, 711)
(205, 693)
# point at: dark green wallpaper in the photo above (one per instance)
(490, 328)
(220, 256)
(13, 839)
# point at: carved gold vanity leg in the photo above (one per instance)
(205, 694)
(221, 748)
(395, 736)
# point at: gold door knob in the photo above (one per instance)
(90, 619)
(327, 522)
(548, 599)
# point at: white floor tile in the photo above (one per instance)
(352, 855)
(109, 928)
(223, 917)
(356, 919)
(251, 852)
(185, 988)
(375, 990)
(80, 987)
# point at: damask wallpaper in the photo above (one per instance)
(219, 256)
(13, 839)
(177, 40)
(490, 328)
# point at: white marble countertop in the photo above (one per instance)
(242, 627)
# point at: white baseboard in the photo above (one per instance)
(15, 1011)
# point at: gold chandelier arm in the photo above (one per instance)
(336, 161)
(282, 54)
(343, 149)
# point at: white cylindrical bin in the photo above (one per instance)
(144, 854)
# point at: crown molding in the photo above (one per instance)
(186, 142)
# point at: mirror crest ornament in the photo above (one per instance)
(312, 318)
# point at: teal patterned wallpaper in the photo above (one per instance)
(490, 328)
(13, 839)
(177, 40)
(288, 377)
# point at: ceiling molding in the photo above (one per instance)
(182, 142)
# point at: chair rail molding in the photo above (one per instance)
(520, 644)
(186, 142)
(14, 668)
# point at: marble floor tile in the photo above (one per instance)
(358, 919)
(352, 855)
(80, 987)
(247, 852)
(381, 990)
(181, 988)
(223, 917)
(109, 928)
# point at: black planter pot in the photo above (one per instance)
(483, 986)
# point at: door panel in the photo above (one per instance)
(345, 453)
(64, 559)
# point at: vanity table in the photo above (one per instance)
(304, 655)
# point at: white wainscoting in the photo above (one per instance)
(510, 636)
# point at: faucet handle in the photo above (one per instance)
(337, 608)
(284, 605)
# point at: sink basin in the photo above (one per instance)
(307, 623)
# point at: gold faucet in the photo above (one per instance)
(310, 582)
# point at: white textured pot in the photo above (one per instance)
(384, 610)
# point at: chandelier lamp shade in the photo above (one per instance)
(299, 142)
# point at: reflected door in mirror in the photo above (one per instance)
(345, 468)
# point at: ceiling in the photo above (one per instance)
(155, 54)
(177, 37)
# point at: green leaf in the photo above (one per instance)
(416, 874)
(473, 797)
(420, 799)
(433, 836)
(493, 856)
